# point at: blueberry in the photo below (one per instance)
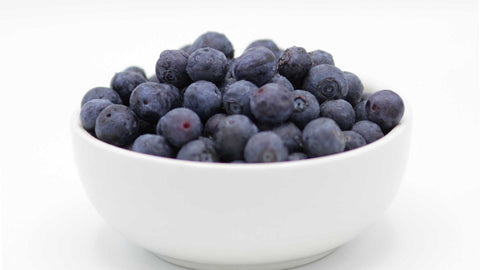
(232, 135)
(267, 43)
(353, 140)
(322, 137)
(305, 108)
(385, 108)
(236, 99)
(202, 149)
(326, 82)
(272, 103)
(90, 112)
(124, 83)
(257, 65)
(213, 40)
(294, 64)
(291, 136)
(102, 93)
(207, 64)
(355, 88)
(265, 147)
(369, 130)
(297, 156)
(204, 98)
(153, 145)
(117, 125)
(153, 78)
(320, 57)
(212, 123)
(186, 48)
(179, 126)
(137, 70)
(283, 81)
(360, 113)
(150, 101)
(171, 68)
(340, 111)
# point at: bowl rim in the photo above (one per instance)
(400, 129)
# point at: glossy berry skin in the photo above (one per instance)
(297, 156)
(257, 65)
(232, 135)
(90, 112)
(294, 63)
(305, 108)
(150, 101)
(385, 108)
(326, 82)
(353, 140)
(202, 149)
(179, 126)
(153, 145)
(207, 64)
(213, 40)
(204, 98)
(171, 68)
(265, 147)
(124, 83)
(267, 43)
(369, 130)
(291, 136)
(283, 81)
(212, 124)
(137, 70)
(236, 99)
(272, 103)
(355, 88)
(320, 57)
(102, 93)
(323, 137)
(117, 125)
(340, 111)
(360, 113)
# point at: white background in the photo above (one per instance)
(52, 52)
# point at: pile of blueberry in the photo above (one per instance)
(266, 105)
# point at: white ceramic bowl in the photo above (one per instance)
(241, 216)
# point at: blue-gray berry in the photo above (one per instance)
(117, 125)
(152, 144)
(369, 130)
(265, 147)
(204, 98)
(90, 112)
(322, 137)
(179, 126)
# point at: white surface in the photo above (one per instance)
(51, 53)
(250, 217)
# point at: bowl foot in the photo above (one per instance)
(267, 266)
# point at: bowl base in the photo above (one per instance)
(268, 266)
